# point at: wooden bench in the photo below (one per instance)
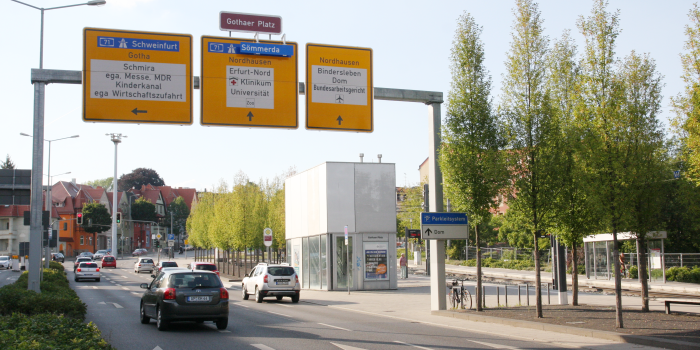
(668, 302)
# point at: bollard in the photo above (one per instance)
(483, 296)
(549, 299)
(505, 295)
(527, 293)
(520, 302)
(498, 296)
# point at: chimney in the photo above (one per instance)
(72, 181)
(362, 156)
(380, 157)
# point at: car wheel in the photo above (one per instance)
(245, 295)
(162, 325)
(295, 298)
(75, 279)
(258, 295)
(144, 319)
(279, 297)
(222, 323)
(97, 280)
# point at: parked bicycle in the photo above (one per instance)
(460, 296)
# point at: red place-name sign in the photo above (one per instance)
(246, 22)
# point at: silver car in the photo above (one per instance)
(271, 280)
(99, 255)
(87, 270)
(5, 262)
(143, 264)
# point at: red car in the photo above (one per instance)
(109, 261)
(198, 265)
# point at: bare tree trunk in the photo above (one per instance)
(538, 280)
(479, 297)
(618, 282)
(574, 274)
(642, 272)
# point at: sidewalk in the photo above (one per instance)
(546, 277)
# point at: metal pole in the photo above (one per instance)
(347, 253)
(48, 204)
(41, 42)
(116, 138)
(35, 227)
(505, 294)
(498, 296)
(437, 248)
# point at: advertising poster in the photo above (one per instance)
(376, 267)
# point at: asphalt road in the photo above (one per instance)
(7, 277)
(113, 305)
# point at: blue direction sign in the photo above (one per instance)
(444, 226)
(171, 236)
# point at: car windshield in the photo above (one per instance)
(147, 261)
(88, 265)
(169, 264)
(101, 252)
(194, 280)
(280, 270)
(3, 258)
(206, 267)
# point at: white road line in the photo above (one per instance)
(117, 306)
(93, 287)
(102, 303)
(224, 331)
(280, 314)
(157, 348)
(347, 347)
(283, 305)
(495, 346)
(124, 276)
(119, 285)
(415, 346)
(135, 293)
(124, 288)
(112, 282)
(336, 327)
(262, 346)
(239, 304)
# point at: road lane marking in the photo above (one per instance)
(262, 346)
(157, 348)
(118, 285)
(495, 346)
(117, 306)
(102, 303)
(93, 287)
(124, 288)
(283, 305)
(415, 346)
(336, 327)
(280, 314)
(124, 276)
(239, 304)
(112, 282)
(135, 293)
(347, 347)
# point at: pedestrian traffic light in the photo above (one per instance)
(80, 218)
(119, 218)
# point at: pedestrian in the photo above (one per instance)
(623, 268)
(403, 262)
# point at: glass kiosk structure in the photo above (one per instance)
(598, 250)
(319, 203)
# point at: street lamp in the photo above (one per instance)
(117, 139)
(37, 158)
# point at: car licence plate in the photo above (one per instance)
(198, 299)
(281, 283)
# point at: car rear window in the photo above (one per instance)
(280, 270)
(89, 265)
(169, 264)
(148, 261)
(108, 258)
(206, 267)
(193, 280)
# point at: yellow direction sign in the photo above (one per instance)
(137, 77)
(339, 90)
(248, 83)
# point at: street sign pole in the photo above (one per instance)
(347, 253)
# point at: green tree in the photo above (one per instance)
(143, 210)
(104, 183)
(641, 106)
(686, 105)
(96, 218)
(410, 209)
(139, 177)
(575, 216)
(7, 164)
(531, 127)
(178, 212)
(470, 157)
(200, 221)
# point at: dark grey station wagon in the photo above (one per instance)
(176, 294)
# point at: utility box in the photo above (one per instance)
(320, 203)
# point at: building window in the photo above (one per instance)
(90, 240)
(65, 226)
(82, 240)
(148, 241)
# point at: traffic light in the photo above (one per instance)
(156, 243)
(80, 218)
(119, 218)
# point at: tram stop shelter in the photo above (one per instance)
(598, 250)
(320, 203)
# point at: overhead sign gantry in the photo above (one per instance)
(137, 77)
(248, 83)
(339, 91)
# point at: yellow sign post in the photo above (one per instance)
(248, 83)
(339, 91)
(137, 77)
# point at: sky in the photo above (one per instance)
(411, 43)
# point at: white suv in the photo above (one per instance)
(5, 262)
(271, 280)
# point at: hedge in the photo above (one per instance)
(48, 331)
(683, 274)
(510, 264)
(56, 297)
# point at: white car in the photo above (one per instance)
(271, 280)
(143, 264)
(87, 270)
(99, 255)
(5, 262)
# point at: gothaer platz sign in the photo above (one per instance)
(246, 22)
